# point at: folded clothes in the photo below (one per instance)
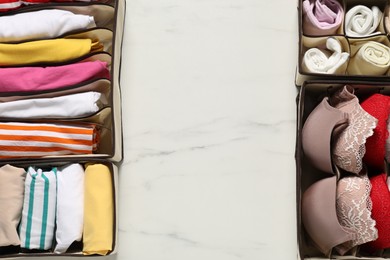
(30, 140)
(322, 17)
(11, 203)
(41, 24)
(361, 21)
(46, 51)
(98, 211)
(70, 206)
(320, 61)
(24, 79)
(372, 58)
(74, 105)
(39, 209)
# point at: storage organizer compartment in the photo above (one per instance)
(54, 187)
(325, 228)
(340, 39)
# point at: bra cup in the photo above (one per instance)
(319, 216)
(317, 133)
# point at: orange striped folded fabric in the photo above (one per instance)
(39, 139)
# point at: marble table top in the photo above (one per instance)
(209, 130)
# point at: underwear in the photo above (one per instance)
(50, 78)
(380, 197)
(378, 106)
(333, 61)
(319, 216)
(317, 132)
(98, 210)
(372, 58)
(11, 203)
(39, 209)
(42, 24)
(321, 17)
(46, 51)
(68, 106)
(361, 21)
(348, 146)
(353, 207)
(70, 206)
(31, 140)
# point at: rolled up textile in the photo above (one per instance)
(30, 140)
(320, 61)
(24, 79)
(98, 211)
(361, 21)
(372, 58)
(42, 24)
(70, 206)
(11, 203)
(6, 5)
(39, 209)
(74, 105)
(321, 17)
(46, 51)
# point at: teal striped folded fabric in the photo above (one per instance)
(39, 209)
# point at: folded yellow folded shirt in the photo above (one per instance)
(46, 51)
(98, 210)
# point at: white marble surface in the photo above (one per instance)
(209, 130)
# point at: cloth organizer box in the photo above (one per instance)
(343, 38)
(342, 154)
(60, 126)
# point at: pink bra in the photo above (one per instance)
(342, 120)
(339, 217)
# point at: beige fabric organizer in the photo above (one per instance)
(109, 18)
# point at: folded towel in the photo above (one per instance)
(46, 51)
(372, 58)
(361, 21)
(98, 211)
(31, 140)
(74, 105)
(41, 24)
(320, 61)
(11, 203)
(70, 206)
(321, 17)
(47, 78)
(39, 209)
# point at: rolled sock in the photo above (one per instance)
(24, 79)
(318, 61)
(361, 21)
(98, 211)
(11, 203)
(74, 105)
(6, 5)
(39, 209)
(70, 206)
(42, 24)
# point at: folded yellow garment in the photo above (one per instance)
(11, 203)
(98, 210)
(372, 58)
(52, 51)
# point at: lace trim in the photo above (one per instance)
(349, 147)
(353, 205)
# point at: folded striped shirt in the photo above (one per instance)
(39, 209)
(31, 140)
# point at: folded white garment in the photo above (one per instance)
(361, 21)
(70, 206)
(372, 58)
(321, 61)
(41, 24)
(39, 209)
(74, 105)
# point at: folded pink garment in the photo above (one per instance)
(321, 17)
(46, 78)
